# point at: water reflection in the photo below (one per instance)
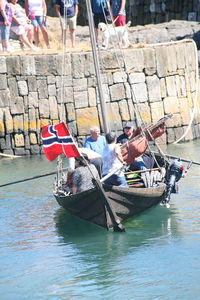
(142, 230)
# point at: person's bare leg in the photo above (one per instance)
(45, 36)
(36, 36)
(64, 36)
(72, 37)
(30, 33)
(25, 40)
(5, 45)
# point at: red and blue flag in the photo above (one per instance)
(58, 140)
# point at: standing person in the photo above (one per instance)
(5, 23)
(99, 8)
(67, 11)
(112, 160)
(119, 12)
(97, 143)
(21, 25)
(36, 10)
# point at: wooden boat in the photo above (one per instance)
(110, 208)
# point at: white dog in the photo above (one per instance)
(119, 32)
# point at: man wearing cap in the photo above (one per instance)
(128, 134)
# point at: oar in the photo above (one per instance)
(176, 157)
(30, 178)
(9, 155)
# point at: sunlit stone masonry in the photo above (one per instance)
(148, 82)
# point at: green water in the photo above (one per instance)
(47, 254)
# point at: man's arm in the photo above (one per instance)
(122, 8)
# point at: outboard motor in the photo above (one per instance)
(174, 174)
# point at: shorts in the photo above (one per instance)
(68, 22)
(38, 21)
(5, 32)
(120, 20)
(98, 18)
(18, 30)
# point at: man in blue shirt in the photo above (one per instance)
(67, 11)
(96, 142)
(99, 9)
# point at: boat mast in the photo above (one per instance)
(97, 65)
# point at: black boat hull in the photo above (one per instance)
(124, 203)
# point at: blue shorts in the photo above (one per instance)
(5, 32)
(38, 21)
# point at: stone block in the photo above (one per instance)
(139, 91)
(171, 86)
(63, 81)
(109, 61)
(44, 108)
(13, 65)
(26, 123)
(61, 112)
(105, 93)
(65, 95)
(8, 142)
(8, 121)
(42, 89)
(32, 84)
(119, 77)
(33, 138)
(171, 105)
(157, 111)
(149, 61)
(175, 121)
(117, 92)
(53, 107)
(70, 112)
(80, 84)
(2, 144)
(27, 142)
(23, 88)
(131, 108)
(19, 140)
(161, 59)
(3, 82)
(134, 60)
(81, 99)
(78, 65)
(86, 118)
(89, 65)
(136, 78)
(127, 90)
(153, 88)
(180, 86)
(113, 116)
(145, 112)
(123, 110)
(18, 123)
(62, 65)
(13, 88)
(4, 98)
(180, 56)
(184, 111)
(32, 119)
(51, 79)
(27, 63)
(171, 59)
(92, 96)
(52, 90)
(163, 89)
(33, 99)
(3, 68)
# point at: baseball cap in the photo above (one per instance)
(128, 124)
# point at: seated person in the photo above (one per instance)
(112, 160)
(21, 25)
(129, 133)
(82, 177)
(96, 142)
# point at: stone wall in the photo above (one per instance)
(154, 82)
(142, 12)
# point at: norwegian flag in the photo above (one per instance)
(57, 140)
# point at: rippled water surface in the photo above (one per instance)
(47, 254)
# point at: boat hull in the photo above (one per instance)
(123, 202)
